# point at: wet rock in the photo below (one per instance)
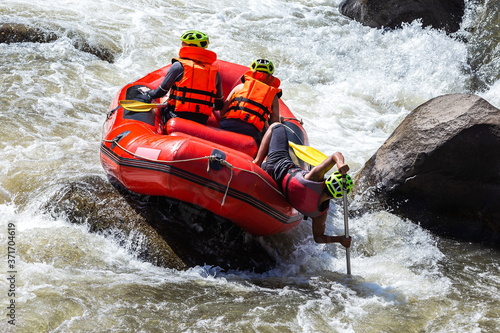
(155, 229)
(441, 168)
(99, 51)
(94, 202)
(443, 14)
(483, 45)
(20, 33)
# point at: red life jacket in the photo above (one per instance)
(304, 194)
(253, 103)
(196, 91)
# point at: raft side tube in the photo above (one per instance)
(240, 142)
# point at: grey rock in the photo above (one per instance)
(164, 232)
(441, 168)
(439, 14)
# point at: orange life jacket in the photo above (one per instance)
(253, 103)
(196, 91)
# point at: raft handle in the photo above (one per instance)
(118, 138)
(216, 160)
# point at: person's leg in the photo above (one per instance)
(278, 162)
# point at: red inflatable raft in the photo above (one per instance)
(202, 165)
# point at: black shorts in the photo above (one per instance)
(242, 127)
(278, 158)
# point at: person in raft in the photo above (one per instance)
(253, 104)
(193, 81)
(307, 191)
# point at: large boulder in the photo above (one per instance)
(164, 232)
(439, 14)
(441, 168)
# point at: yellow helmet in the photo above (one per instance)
(196, 38)
(337, 183)
(262, 65)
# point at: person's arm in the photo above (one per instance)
(174, 74)
(318, 229)
(318, 172)
(275, 111)
(229, 98)
(264, 146)
(219, 97)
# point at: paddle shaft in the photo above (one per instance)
(346, 227)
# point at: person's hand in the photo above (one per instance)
(343, 168)
(259, 163)
(144, 90)
(145, 98)
(346, 241)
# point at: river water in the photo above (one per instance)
(351, 85)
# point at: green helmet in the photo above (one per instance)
(194, 37)
(337, 182)
(262, 65)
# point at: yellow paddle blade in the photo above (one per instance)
(308, 154)
(137, 106)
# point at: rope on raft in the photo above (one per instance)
(209, 158)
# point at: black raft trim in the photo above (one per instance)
(202, 181)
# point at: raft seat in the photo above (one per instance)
(240, 142)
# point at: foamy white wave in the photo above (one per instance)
(492, 95)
